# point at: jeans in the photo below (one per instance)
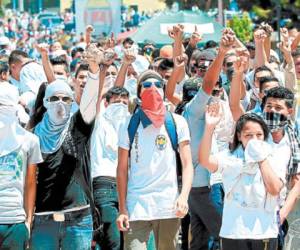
(74, 233)
(217, 197)
(205, 219)
(13, 236)
(106, 200)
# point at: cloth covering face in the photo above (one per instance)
(54, 125)
(11, 133)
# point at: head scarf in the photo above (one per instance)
(50, 133)
(11, 133)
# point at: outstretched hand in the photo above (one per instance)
(213, 115)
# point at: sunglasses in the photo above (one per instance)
(65, 99)
(229, 64)
(216, 92)
(157, 84)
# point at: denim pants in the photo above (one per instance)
(106, 200)
(205, 219)
(13, 236)
(74, 233)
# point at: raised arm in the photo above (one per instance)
(93, 88)
(195, 38)
(128, 59)
(260, 53)
(237, 85)
(43, 50)
(88, 34)
(179, 66)
(212, 75)
(289, 66)
(212, 118)
(295, 42)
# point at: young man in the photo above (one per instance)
(27, 76)
(148, 191)
(104, 160)
(19, 154)
(63, 191)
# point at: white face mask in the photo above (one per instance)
(116, 113)
(255, 94)
(8, 116)
(109, 81)
(59, 112)
(131, 86)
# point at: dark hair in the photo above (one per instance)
(210, 44)
(279, 93)
(248, 117)
(227, 56)
(4, 68)
(82, 67)
(38, 109)
(128, 40)
(60, 61)
(116, 91)
(296, 53)
(265, 79)
(262, 68)
(75, 50)
(17, 56)
(166, 64)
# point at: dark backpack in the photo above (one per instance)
(172, 133)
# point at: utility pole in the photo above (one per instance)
(21, 5)
(220, 12)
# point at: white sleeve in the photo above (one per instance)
(34, 154)
(182, 128)
(89, 98)
(123, 136)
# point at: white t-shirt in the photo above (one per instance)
(13, 168)
(152, 180)
(249, 211)
(104, 148)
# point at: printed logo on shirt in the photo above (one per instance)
(11, 167)
(161, 142)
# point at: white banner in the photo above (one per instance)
(206, 28)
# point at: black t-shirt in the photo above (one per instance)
(58, 187)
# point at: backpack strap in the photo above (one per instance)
(132, 127)
(171, 130)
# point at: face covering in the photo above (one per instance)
(11, 133)
(109, 81)
(59, 112)
(116, 113)
(275, 121)
(130, 85)
(153, 106)
(255, 94)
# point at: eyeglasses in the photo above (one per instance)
(229, 64)
(157, 84)
(216, 92)
(65, 99)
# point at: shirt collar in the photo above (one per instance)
(143, 118)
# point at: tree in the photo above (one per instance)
(243, 27)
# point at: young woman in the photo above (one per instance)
(252, 182)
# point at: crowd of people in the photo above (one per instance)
(219, 164)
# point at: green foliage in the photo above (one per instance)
(243, 27)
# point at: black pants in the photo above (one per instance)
(266, 244)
